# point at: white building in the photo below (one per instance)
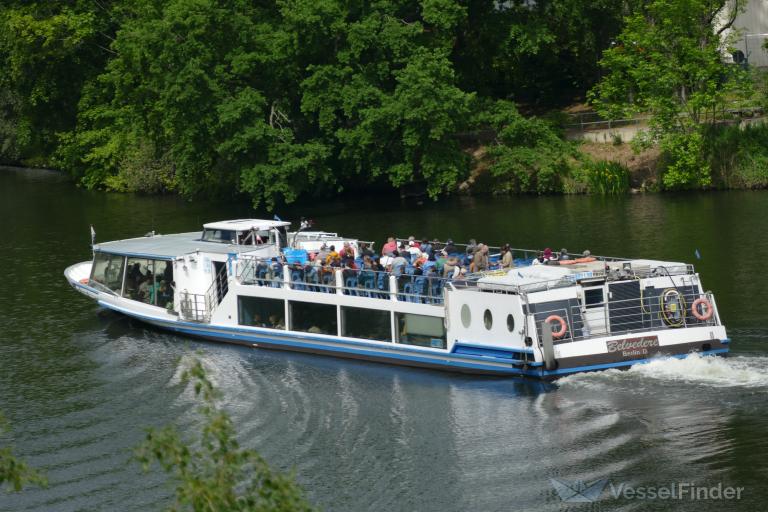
(750, 32)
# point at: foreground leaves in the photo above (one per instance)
(212, 472)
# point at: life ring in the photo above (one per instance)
(561, 332)
(695, 309)
(672, 305)
(84, 280)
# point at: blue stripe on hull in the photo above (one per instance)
(445, 361)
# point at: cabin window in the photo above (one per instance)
(466, 316)
(510, 322)
(164, 284)
(226, 236)
(488, 319)
(140, 280)
(420, 330)
(313, 318)
(593, 298)
(369, 324)
(260, 312)
(107, 270)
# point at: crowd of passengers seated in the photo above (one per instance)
(411, 258)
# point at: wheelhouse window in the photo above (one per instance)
(421, 330)
(260, 312)
(313, 318)
(107, 270)
(369, 324)
(225, 236)
(255, 237)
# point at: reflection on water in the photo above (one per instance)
(79, 385)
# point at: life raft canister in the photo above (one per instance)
(708, 309)
(556, 318)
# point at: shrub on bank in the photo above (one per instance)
(738, 157)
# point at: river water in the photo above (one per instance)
(79, 385)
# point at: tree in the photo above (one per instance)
(213, 473)
(668, 62)
(14, 473)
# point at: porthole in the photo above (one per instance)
(466, 316)
(510, 323)
(488, 319)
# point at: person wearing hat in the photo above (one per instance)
(548, 255)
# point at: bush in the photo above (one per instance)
(605, 177)
(739, 156)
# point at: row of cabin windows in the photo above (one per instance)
(141, 279)
(370, 324)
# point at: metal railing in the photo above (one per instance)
(405, 287)
(195, 307)
(668, 310)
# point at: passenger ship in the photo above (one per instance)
(252, 282)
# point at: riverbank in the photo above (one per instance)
(736, 158)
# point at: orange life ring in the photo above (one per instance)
(561, 332)
(568, 262)
(84, 280)
(695, 309)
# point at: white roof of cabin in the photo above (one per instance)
(245, 224)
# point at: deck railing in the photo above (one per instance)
(422, 289)
(668, 310)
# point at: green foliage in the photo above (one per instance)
(14, 473)
(686, 166)
(606, 178)
(738, 156)
(667, 62)
(213, 473)
(529, 154)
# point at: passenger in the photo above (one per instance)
(276, 322)
(365, 250)
(332, 256)
(367, 262)
(413, 250)
(257, 321)
(386, 261)
(347, 251)
(440, 261)
(460, 275)
(563, 255)
(398, 264)
(322, 254)
(539, 260)
(451, 264)
(586, 254)
(377, 266)
(426, 247)
(471, 246)
(412, 242)
(480, 259)
(389, 247)
(548, 256)
(450, 249)
(506, 257)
